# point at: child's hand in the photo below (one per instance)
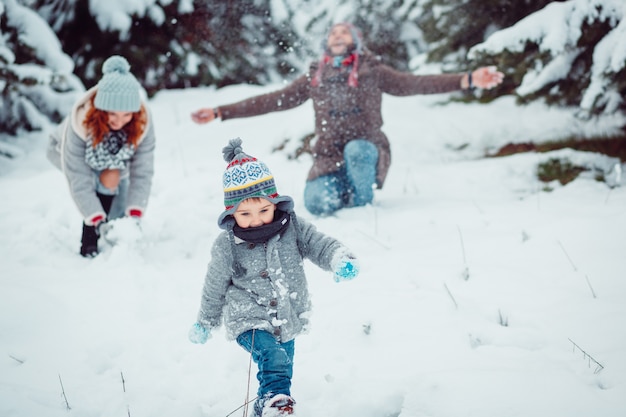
(199, 334)
(346, 269)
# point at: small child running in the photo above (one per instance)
(256, 278)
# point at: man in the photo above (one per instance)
(351, 154)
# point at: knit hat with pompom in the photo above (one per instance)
(352, 59)
(246, 177)
(118, 89)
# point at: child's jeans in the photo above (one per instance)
(274, 359)
(351, 186)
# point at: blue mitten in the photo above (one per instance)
(346, 269)
(198, 333)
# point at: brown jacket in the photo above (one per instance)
(344, 113)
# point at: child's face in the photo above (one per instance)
(254, 212)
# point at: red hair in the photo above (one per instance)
(97, 124)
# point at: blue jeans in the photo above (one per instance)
(118, 207)
(274, 360)
(351, 186)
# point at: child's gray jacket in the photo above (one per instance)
(263, 286)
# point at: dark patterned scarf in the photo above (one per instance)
(114, 141)
(263, 233)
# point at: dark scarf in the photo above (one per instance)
(114, 140)
(263, 233)
(351, 60)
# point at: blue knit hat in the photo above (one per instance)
(246, 177)
(118, 89)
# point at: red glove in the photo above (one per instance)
(134, 212)
(95, 220)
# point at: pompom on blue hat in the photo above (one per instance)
(118, 89)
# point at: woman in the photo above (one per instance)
(351, 154)
(105, 148)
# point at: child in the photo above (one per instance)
(256, 276)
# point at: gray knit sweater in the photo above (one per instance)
(263, 286)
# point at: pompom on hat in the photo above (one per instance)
(246, 177)
(118, 89)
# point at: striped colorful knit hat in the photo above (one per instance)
(245, 177)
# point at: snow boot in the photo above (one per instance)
(280, 405)
(89, 241)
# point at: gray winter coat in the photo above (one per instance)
(67, 152)
(263, 286)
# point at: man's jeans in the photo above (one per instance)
(351, 186)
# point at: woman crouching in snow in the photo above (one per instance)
(105, 148)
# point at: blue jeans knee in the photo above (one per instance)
(351, 186)
(360, 152)
(326, 194)
(361, 158)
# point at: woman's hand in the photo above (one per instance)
(485, 77)
(205, 115)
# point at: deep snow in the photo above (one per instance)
(478, 291)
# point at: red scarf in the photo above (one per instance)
(350, 60)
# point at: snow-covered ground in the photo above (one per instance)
(479, 294)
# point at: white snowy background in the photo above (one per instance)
(480, 293)
(475, 283)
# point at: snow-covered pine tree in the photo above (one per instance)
(143, 32)
(570, 53)
(452, 27)
(176, 43)
(388, 26)
(36, 81)
(238, 42)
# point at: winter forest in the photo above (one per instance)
(566, 53)
(492, 265)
